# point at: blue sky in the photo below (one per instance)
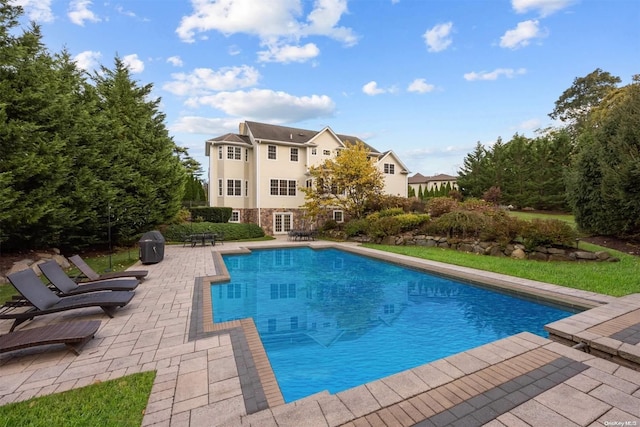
(427, 79)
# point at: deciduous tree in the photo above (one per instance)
(346, 182)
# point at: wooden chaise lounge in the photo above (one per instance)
(91, 275)
(72, 334)
(40, 300)
(65, 284)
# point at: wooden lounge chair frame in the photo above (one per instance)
(72, 334)
(91, 276)
(40, 300)
(65, 284)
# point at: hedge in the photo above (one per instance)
(178, 232)
(210, 214)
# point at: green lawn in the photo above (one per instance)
(541, 215)
(610, 278)
(116, 403)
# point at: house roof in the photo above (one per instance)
(287, 134)
(390, 153)
(420, 179)
(231, 137)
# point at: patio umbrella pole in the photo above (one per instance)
(109, 236)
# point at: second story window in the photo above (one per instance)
(234, 153)
(271, 152)
(314, 151)
(326, 152)
(389, 168)
(220, 152)
(220, 187)
(294, 154)
(282, 187)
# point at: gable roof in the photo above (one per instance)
(390, 153)
(267, 132)
(231, 138)
(419, 178)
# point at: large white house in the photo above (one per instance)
(258, 172)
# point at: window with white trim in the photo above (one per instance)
(234, 187)
(338, 216)
(272, 152)
(246, 189)
(314, 151)
(326, 152)
(294, 154)
(235, 216)
(220, 187)
(220, 150)
(389, 168)
(283, 187)
(234, 153)
(246, 154)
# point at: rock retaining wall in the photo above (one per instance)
(513, 250)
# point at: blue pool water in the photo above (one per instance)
(332, 320)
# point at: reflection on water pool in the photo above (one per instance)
(332, 320)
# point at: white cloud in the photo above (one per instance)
(88, 60)
(275, 23)
(206, 80)
(544, 7)
(36, 10)
(124, 12)
(493, 75)
(205, 125)
(521, 35)
(420, 86)
(268, 105)
(529, 125)
(133, 63)
(176, 61)
(79, 12)
(289, 53)
(372, 89)
(438, 38)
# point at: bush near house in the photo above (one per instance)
(472, 218)
(177, 232)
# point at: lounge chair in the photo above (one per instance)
(72, 334)
(91, 275)
(65, 284)
(40, 300)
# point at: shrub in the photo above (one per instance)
(545, 232)
(459, 223)
(177, 232)
(384, 226)
(478, 205)
(439, 206)
(356, 227)
(501, 227)
(391, 212)
(210, 214)
(329, 224)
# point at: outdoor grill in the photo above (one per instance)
(151, 247)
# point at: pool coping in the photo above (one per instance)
(260, 388)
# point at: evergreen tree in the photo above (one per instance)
(147, 179)
(474, 178)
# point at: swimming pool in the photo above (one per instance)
(332, 320)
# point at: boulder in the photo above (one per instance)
(518, 253)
